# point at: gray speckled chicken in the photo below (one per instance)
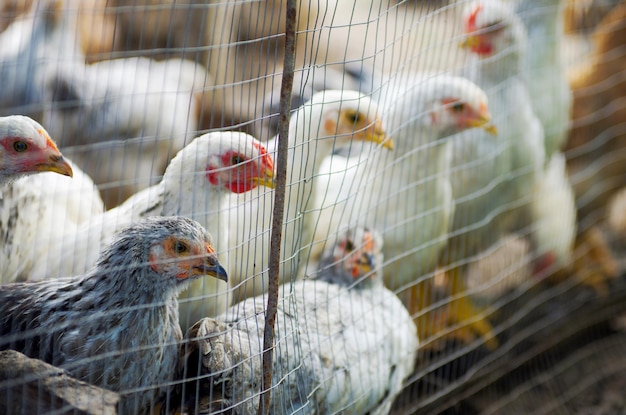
(117, 325)
(344, 343)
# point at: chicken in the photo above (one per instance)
(331, 118)
(116, 326)
(196, 184)
(26, 148)
(120, 120)
(595, 146)
(493, 180)
(33, 43)
(124, 118)
(32, 204)
(407, 194)
(35, 209)
(544, 69)
(596, 142)
(344, 343)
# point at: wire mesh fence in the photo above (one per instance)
(452, 226)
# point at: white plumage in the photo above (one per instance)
(125, 118)
(329, 119)
(525, 179)
(26, 148)
(35, 211)
(407, 194)
(493, 178)
(545, 71)
(33, 204)
(344, 343)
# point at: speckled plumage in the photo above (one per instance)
(34, 211)
(341, 347)
(117, 325)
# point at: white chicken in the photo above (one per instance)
(34, 204)
(26, 149)
(407, 194)
(34, 42)
(124, 118)
(35, 210)
(196, 184)
(331, 118)
(344, 343)
(545, 69)
(503, 187)
(492, 180)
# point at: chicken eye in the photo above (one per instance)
(20, 146)
(349, 246)
(354, 117)
(237, 159)
(458, 107)
(493, 26)
(180, 247)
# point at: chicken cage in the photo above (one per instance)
(280, 206)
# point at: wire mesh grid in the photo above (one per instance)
(452, 220)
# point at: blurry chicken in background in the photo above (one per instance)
(120, 120)
(30, 44)
(123, 119)
(544, 69)
(494, 178)
(97, 28)
(582, 17)
(596, 146)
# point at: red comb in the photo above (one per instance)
(267, 160)
(470, 25)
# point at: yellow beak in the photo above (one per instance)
(483, 121)
(376, 134)
(267, 180)
(57, 164)
(470, 42)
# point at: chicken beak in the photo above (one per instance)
(490, 128)
(266, 180)
(375, 133)
(483, 121)
(470, 41)
(57, 164)
(364, 266)
(211, 266)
